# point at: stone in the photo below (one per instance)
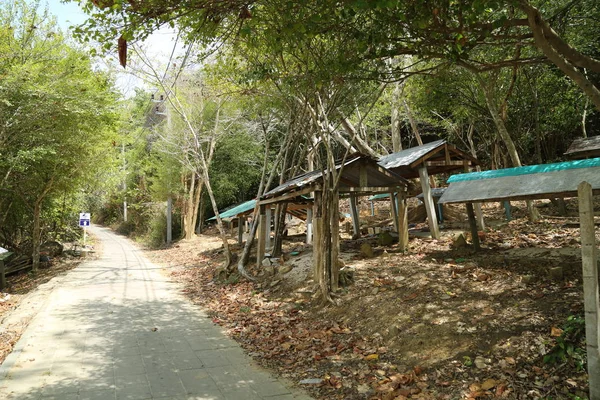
(556, 273)
(527, 279)
(51, 248)
(385, 239)
(269, 271)
(266, 262)
(480, 362)
(366, 250)
(459, 241)
(285, 269)
(374, 291)
(311, 381)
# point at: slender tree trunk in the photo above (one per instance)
(188, 216)
(413, 123)
(396, 121)
(37, 234)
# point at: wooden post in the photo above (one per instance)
(268, 228)
(507, 211)
(402, 221)
(589, 257)
(240, 230)
(169, 219)
(394, 212)
(479, 217)
(354, 212)
(318, 269)
(262, 229)
(2, 275)
(473, 225)
(309, 225)
(428, 201)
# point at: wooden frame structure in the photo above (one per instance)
(580, 179)
(423, 161)
(360, 175)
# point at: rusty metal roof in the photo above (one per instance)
(439, 156)
(377, 177)
(584, 148)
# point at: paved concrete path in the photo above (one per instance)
(116, 328)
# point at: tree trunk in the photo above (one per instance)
(396, 121)
(413, 123)
(37, 235)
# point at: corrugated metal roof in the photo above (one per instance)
(234, 211)
(523, 183)
(407, 157)
(584, 146)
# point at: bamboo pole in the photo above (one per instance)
(428, 201)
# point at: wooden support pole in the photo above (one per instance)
(309, 225)
(240, 230)
(428, 201)
(402, 221)
(589, 257)
(394, 212)
(507, 211)
(268, 216)
(473, 225)
(2, 275)
(262, 229)
(479, 217)
(354, 212)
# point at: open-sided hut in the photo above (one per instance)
(360, 175)
(429, 159)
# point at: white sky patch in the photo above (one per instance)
(158, 46)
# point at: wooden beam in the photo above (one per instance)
(447, 154)
(355, 216)
(428, 201)
(290, 195)
(262, 221)
(371, 189)
(589, 257)
(473, 226)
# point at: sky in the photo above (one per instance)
(159, 44)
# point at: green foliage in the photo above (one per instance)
(570, 345)
(58, 115)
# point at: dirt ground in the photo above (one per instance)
(438, 322)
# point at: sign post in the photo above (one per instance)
(84, 222)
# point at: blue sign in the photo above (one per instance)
(84, 222)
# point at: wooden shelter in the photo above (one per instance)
(580, 178)
(298, 208)
(584, 148)
(360, 175)
(429, 159)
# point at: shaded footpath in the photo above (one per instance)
(116, 328)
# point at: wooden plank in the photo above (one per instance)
(290, 195)
(428, 201)
(309, 225)
(363, 177)
(473, 226)
(589, 257)
(368, 189)
(446, 154)
(268, 218)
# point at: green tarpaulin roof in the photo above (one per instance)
(530, 169)
(239, 209)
